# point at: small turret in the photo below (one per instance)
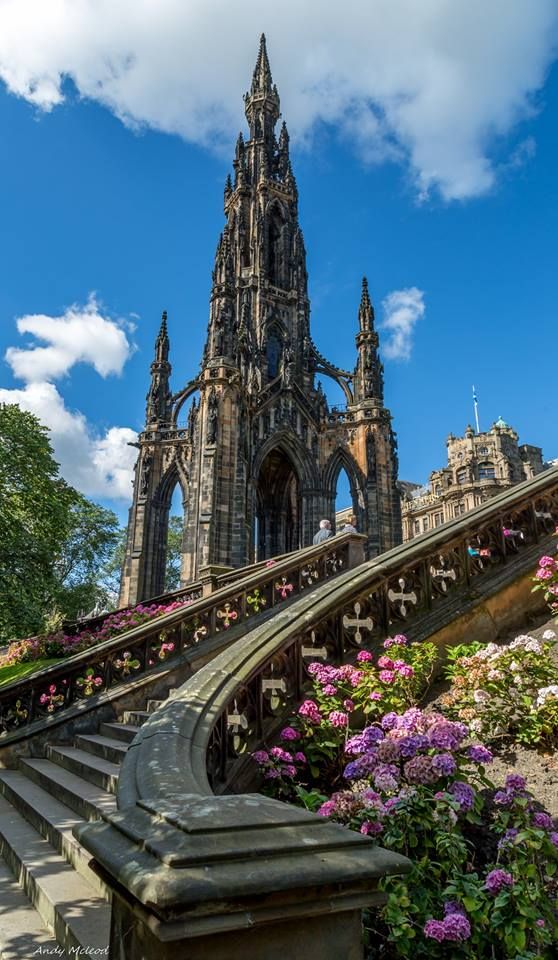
(365, 310)
(158, 409)
(368, 381)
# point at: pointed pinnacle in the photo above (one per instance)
(365, 296)
(284, 136)
(163, 327)
(261, 80)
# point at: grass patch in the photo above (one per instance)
(19, 670)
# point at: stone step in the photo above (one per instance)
(100, 746)
(84, 798)
(102, 773)
(22, 932)
(66, 903)
(119, 731)
(135, 717)
(52, 819)
(153, 705)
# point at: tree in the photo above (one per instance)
(53, 541)
(35, 507)
(174, 551)
(78, 568)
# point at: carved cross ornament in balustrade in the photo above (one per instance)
(357, 624)
(403, 598)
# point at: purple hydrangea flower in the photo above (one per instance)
(260, 756)
(289, 733)
(420, 770)
(447, 735)
(435, 930)
(353, 770)
(457, 927)
(508, 838)
(464, 794)
(553, 837)
(371, 828)
(444, 764)
(515, 782)
(386, 777)
(389, 721)
(504, 798)
(479, 754)
(543, 821)
(326, 809)
(496, 880)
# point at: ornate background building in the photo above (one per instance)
(480, 465)
(259, 457)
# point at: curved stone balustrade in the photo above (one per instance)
(228, 707)
(87, 679)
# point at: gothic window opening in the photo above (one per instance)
(278, 507)
(276, 248)
(346, 503)
(274, 351)
(174, 544)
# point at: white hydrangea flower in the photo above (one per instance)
(533, 646)
(481, 696)
(495, 675)
(546, 692)
(549, 635)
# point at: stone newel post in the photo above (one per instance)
(234, 877)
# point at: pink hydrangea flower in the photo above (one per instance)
(386, 676)
(338, 719)
(364, 656)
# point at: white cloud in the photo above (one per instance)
(402, 309)
(433, 82)
(81, 334)
(98, 465)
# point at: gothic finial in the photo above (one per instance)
(261, 79)
(228, 186)
(162, 341)
(365, 310)
(284, 138)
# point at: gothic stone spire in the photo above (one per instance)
(158, 409)
(369, 381)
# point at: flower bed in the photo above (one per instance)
(506, 690)
(58, 645)
(483, 885)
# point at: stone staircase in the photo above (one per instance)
(52, 902)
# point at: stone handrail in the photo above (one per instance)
(211, 581)
(95, 675)
(198, 741)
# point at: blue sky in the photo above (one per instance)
(95, 201)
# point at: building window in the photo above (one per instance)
(462, 475)
(458, 509)
(416, 527)
(486, 471)
(438, 489)
(425, 524)
(438, 519)
(483, 451)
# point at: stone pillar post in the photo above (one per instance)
(232, 877)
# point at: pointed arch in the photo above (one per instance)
(339, 460)
(293, 448)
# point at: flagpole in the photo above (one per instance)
(476, 407)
